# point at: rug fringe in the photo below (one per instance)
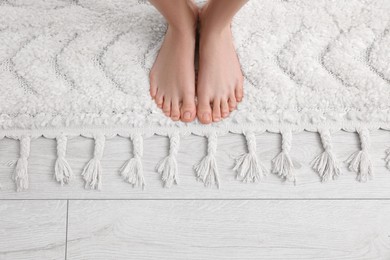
(248, 166)
(207, 170)
(325, 164)
(62, 170)
(92, 172)
(360, 161)
(20, 175)
(282, 164)
(167, 167)
(132, 170)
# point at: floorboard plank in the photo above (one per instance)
(229, 230)
(32, 229)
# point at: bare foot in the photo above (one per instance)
(172, 77)
(220, 80)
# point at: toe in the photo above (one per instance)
(204, 112)
(188, 111)
(159, 100)
(239, 93)
(175, 112)
(216, 110)
(153, 90)
(224, 108)
(232, 103)
(167, 106)
(153, 87)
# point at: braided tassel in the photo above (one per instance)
(62, 171)
(168, 166)
(360, 161)
(282, 164)
(92, 172)
(248, 167)
(132, 170)
(325, 164)
(207, 170)
(20, 175)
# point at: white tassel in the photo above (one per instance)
(360, 161)
(63, 172)
(20, 175)
(282, 164)
(167, 167)
(207, 170)
(248, 167)
(92, 172)
(326, 164)
(132, 170)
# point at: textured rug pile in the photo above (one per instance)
(80, 67)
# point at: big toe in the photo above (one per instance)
(204, 112)
(188, 110)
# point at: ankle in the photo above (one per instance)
(181, 33)
(185, 29)
(186, 21)
(211, 23)
(214, 26)
(211, 33)
(217, 30)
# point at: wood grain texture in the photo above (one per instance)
(305, 146)
(32, 230)
(229, 230)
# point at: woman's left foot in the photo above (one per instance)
(220, 79)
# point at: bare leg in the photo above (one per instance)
(220, 81)
(172, 77)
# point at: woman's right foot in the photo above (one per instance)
(172, 77)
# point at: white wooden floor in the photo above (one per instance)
(341, 219)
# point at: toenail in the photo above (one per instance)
(206, 117)
(187, 115)
(217, 119)
(225, 114)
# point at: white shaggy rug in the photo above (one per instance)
(80, 67)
